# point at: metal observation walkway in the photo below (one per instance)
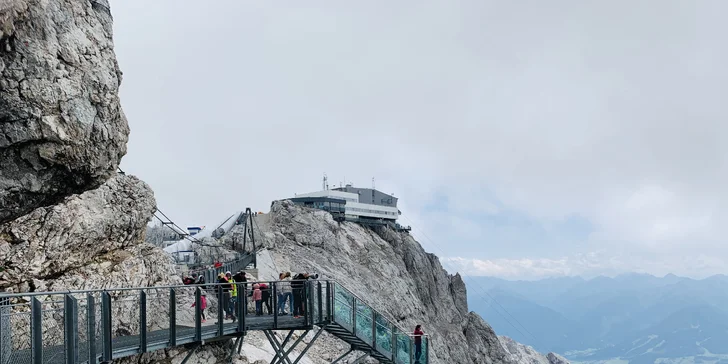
(101, 325)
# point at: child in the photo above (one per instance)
(203, 305)
(258, 298)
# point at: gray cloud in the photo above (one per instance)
(612, 112)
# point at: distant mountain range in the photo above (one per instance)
(634, 317)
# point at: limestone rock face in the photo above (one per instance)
(556, 359)
(391, 271)
(62, 130)
(90, 241)
(526, 354)
(88, 234)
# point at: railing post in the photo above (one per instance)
(411, 351)
(274, 287)
(6, 334)
(198, 314)
(311, 307)
(172, 317)
(221, 313)
(142, 321)
(374, 329)
(320, 303)
(353, 314)
(427, 350)
(242, 308)
(328, 302)
(91, 328)
(394, 344)
(70, 326)
(106, 325)
(332, 301)
(305, 305)
(36, 332)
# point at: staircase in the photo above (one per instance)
(368, 331)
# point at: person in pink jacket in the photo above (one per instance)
(258, 298)
(203, 305)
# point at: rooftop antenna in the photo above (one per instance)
(326, 182)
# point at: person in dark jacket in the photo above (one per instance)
(201, 281)
(418, 342)
(298, 285)
(240, 277)
(265, 290)
(188, 280)
(225, 287)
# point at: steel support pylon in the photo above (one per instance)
(282, 354)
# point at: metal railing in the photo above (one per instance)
(211, 274)
(101, 325)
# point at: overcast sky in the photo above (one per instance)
(523, 138)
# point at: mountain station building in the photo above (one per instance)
(366, 206)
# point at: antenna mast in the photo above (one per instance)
(326, 182)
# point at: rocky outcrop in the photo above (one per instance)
(526, 354)
(87, 237)
(90, 241)
(62, 130)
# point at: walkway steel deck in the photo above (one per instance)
(99, 325)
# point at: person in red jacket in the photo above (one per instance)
(203, 305)
(418, 342)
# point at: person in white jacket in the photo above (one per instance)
(284, 293)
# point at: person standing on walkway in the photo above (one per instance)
(266, 297)
(224, 285)
(284, 293)
(298, 286)
(258, 298)
(233, 294)
(203, 305)
(201, 281)
(418, 342)
(240, 277)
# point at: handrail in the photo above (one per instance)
(112, 289)
(368, 305)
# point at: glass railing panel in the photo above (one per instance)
(421, 352)
(364, 322)
(403, 349)
(343, 310)
(312, 301)
(384, 336)
(325, 299)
